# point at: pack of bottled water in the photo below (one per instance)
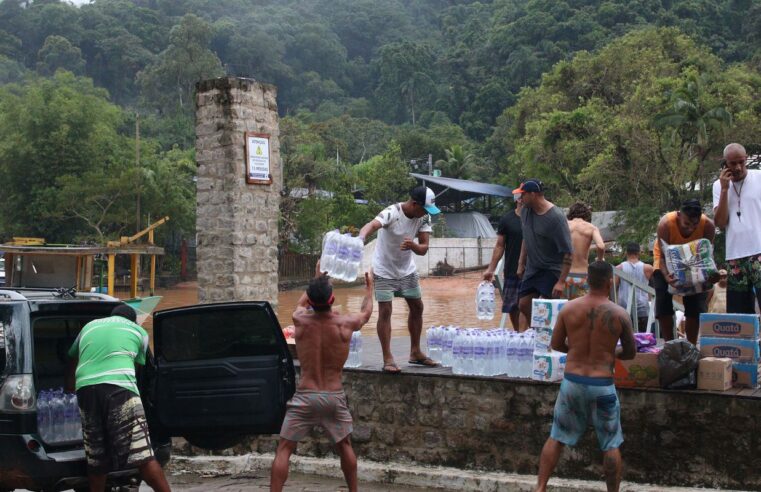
(341, 255)
(58, 417)
(477, 352)
(485, 301)
(355, 351)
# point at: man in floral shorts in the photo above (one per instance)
(737, 210)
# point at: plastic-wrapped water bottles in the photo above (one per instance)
(355, 351)
(485, 301)
(457, 346)
(329, 249)
(58, 417)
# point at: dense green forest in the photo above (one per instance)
(624, 104)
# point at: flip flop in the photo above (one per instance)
(424, 361)
(387, 368)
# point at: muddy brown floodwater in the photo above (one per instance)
(447, 300)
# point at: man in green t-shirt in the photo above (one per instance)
(114, 427)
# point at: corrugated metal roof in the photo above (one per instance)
(451, 190)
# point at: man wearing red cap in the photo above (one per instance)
(546, 253)
(322, 342)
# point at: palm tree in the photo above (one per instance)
(693, 124)
(458, 163)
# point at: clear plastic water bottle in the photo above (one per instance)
(342, 257)
(329, 249)
(57, 416)
(479, 353)
(447, 347)
(78, 426)
(467, 353)
(71, 417)
(512, 354)
(355, 351)
(354, 264)
(456, 357)
(43, 414)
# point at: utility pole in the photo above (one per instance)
(430, 164)
(137, 164)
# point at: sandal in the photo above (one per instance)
(425, 362)
(391, 368)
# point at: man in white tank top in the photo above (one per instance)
(634, 267)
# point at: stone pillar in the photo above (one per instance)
(237, 222)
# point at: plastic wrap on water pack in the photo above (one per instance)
(692, 264)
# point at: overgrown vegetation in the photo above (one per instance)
(624, 104)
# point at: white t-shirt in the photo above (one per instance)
(743, 232)
(389, 260)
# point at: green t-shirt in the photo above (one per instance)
(108, 349)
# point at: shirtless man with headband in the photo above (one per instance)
(322, 342)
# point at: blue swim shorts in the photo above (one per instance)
(581, 400)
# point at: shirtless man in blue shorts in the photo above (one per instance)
(588, 329)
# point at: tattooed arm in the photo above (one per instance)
(628, 348)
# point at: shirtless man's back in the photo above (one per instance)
(588, 330)
(322, 342)
(583, 234)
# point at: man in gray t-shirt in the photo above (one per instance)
(546, 253)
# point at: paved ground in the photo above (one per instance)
(260, 482)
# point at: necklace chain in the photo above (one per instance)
(739, 198)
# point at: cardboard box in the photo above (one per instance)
(548, 366)
(715, 374)
(544, 312)
(730, 325)
(737, 349)
(640, 372)
(542, 339)
(745, 375)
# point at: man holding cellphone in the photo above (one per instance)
(737, 210)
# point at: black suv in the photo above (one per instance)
(220, 372)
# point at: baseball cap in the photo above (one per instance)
(530, 186)
(425, 197)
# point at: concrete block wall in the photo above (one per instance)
(237, 223)
(671, 437)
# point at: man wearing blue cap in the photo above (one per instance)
(394, 269)
(546, 255)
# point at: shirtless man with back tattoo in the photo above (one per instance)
(588, 329)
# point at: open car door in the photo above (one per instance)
(223, 371)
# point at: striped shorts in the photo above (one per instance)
(408, 287)
(114, 428)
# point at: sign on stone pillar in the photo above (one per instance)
(237, 216)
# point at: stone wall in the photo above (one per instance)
(237, 223)
(672, 438)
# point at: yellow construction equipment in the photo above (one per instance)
(134, 263)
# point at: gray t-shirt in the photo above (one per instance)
(547, 239)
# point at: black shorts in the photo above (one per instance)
(541, 282)
(693, 304)
(114, 428)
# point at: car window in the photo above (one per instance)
(217, 334)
